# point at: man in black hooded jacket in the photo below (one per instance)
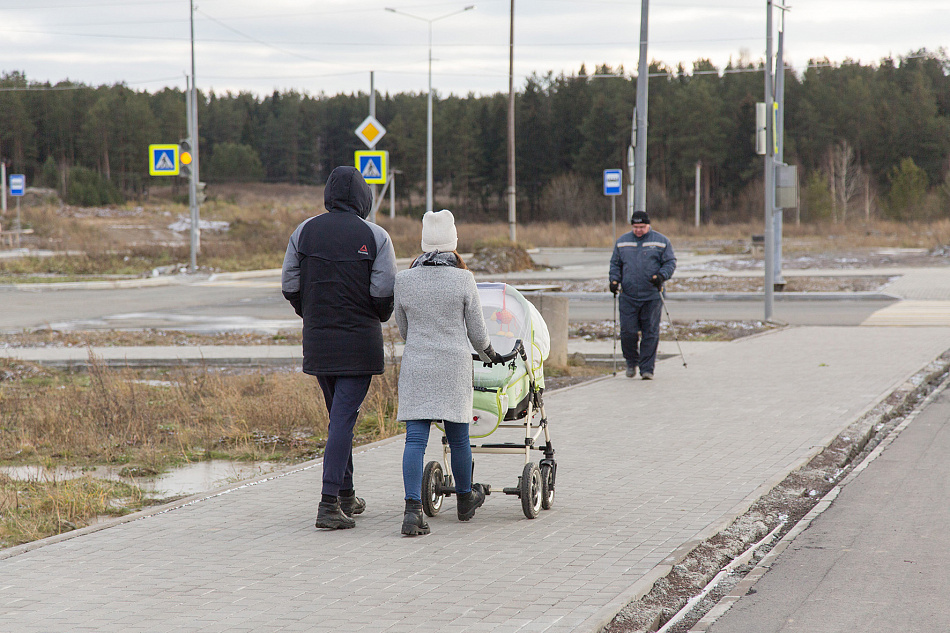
(338, 274)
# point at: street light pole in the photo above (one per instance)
(643, 87)
(769, 280)
(429, 180)
(512, 190)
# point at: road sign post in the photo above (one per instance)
(17, 189)
(613, 187)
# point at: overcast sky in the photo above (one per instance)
(330, 46)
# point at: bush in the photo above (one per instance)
(88, 188)
(49, 177)
(233, 162)
(816, 198)
(908, 188)
(573, 199)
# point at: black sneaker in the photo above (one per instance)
(352, 505)
(631, 372)
(413, 521)
(470, 501)
(329, 515)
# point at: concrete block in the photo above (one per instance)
(554, 310)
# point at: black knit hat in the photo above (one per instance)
(639, 217)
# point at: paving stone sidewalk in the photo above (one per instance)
(644, 470)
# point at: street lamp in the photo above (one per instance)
(429, 185)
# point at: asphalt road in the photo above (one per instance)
(874, 559)
(791, 311)
(258, 304)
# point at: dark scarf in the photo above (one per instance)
(435, 258)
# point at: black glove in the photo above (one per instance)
(490, 356)
(614, 286)
(657, 281)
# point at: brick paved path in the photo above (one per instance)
(644, 468)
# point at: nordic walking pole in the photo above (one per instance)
(615, 334)
(672, 327)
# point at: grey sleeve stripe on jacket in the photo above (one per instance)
(290, 272)
(383, 276)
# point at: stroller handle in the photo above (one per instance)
(515, 351)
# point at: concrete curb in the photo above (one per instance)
(750, 296)
(750, 579)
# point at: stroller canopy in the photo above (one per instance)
(509, 317)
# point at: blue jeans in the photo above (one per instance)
(640, 323)
(344, 396)
(417, 437)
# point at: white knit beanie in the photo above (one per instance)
(438, 231)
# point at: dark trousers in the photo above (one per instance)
(344, 396)
(640, 323)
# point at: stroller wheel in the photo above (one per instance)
(547, 486)
(432, 497)
(531, 490)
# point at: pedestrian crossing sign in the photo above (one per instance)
(163, 160)
(373, 165)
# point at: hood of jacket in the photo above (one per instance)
(346, 191)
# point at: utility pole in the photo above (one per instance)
(192, 108)
(640, 129)
(372, 113)
(512, 197)
(778, 218)
(769, 277)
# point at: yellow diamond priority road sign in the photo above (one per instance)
(370, 131)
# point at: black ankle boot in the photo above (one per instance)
(329, 515)
(351, 504)
(414, 522)
(470, 501)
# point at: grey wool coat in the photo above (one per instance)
(438, 313)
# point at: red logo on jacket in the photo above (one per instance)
(364, 250)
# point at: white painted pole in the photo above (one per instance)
(392, 195)
(699, 167)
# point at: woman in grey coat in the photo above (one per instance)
(438, 313)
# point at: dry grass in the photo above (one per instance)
(144, 338)
(112, 416)
(132, 240)
(36, 509)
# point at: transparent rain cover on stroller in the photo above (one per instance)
(502, 391)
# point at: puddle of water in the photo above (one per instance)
(186, 480)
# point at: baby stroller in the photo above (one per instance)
(507, 396)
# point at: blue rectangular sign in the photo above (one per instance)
(613, 182)
(17, 184)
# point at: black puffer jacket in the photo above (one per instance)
(338, 274)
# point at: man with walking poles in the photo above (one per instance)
(642, 261)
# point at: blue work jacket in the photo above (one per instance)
(636, 259)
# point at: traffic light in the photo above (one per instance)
(184, 157)
(200, 195)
